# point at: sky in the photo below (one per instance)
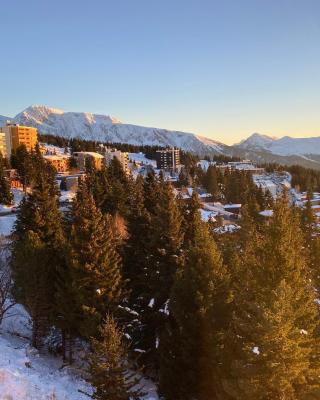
(221, 69)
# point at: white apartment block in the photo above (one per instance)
(122, 157)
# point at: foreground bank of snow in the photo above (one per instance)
(27, 375)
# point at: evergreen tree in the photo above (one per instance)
(152, 254)
(210, 180)
(166, 238)
(272, 351)
(199, 312)
(38, 240)
(166, 241)
(94, 261)
(20, 160)
(109, 366)
(137, 265)
(6, 197)
(191, 219)
(152, 192)
(308, 220)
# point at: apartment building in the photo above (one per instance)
(16, 135)
(59, 162)
(3, 144)
(82, 156)
(122, 157)
(168, 159)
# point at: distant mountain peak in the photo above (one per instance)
(256, 140)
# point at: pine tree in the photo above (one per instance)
(20, 160)
(109, 366)
(210, 180)
(152, 192)
(32, 279)
(166, 241)
(308, 220)
(6, 197)
(191, 219)
(94, 262)
(272, 351)
(199, 312)
(37, 246)
(152, 257)
(137, 265)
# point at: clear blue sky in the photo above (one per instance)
(222, 69)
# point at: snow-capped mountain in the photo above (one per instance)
(3, 120)
(108, 129)
(285, 146)
(104, 128)
(256, 141)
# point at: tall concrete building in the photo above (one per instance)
(168, 159)
(17, 135)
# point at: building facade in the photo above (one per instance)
(3, 144)
(122, 157)
(83, 156)
(168, 159)
(16, 135)
(59, 162)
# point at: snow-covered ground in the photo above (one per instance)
(273, 182)
(17, 197)
(7, 221)
(67, 196)
(141, 159)
(208, 215)
(6, 225)
(27, 375)
(51, 149)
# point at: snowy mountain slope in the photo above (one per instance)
(3, 120)
(285, 146)
(298, 146)
(105, 128)
(262, 148)
(256, 141)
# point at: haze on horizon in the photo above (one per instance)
(219, 70)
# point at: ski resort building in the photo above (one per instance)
(59, 162)
(16, 135)
(122, 157)
(3, 145)
(83, 156)
(168, 160)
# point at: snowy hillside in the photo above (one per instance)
(3, 120)
(285, 146)
(105, 128)
(256, 141)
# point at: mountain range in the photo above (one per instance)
(104, 128)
